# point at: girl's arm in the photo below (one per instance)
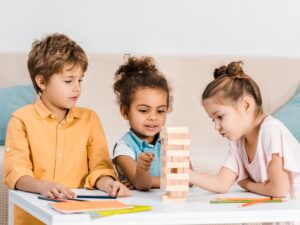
(155, 182)
(278, 184)
(219, 183)
(139, 178)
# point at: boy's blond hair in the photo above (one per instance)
(50, 54)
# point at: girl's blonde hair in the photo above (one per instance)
(231, 83)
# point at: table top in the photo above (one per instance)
(196, 210)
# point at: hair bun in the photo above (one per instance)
(135, 66)
(233, 69)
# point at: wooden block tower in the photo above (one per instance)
(175, 164)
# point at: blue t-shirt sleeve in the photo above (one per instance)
(121, 148)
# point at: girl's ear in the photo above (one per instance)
(124, 112)
(248, 103)
(40, 81)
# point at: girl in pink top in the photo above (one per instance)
(264, 157)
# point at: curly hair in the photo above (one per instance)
(138, 73)
(50, 54)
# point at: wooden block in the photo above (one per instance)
(174, 147)
(166, 170)
(166, 198)
(177, 153)
(175, 194)
(178, 176)
(184, 182)
(177, 188)
(180, 194)
(177, 182)
(173, 159)
(177, 142)
(171, 130)
(177, 165)
(174, 136)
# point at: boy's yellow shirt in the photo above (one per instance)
(73, 153)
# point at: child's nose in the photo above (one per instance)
(77, 87)
(217, 126)
(152, 116)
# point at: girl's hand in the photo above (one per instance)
(244, 183)
(112, 187)
(144, 161)
(54, 190)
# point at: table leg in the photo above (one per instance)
(10, 212)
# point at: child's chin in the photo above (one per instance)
(230, 138)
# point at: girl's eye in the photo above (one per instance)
(161, 111)
(143, 110)
(68, 81)
(213, 120)
(80, 81)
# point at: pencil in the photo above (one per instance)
(257, 201)
(240, 200)
(59, 199)
(51, 199)
(96, 196)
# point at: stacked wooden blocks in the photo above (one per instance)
(175, 164)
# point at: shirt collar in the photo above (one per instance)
(44, 112)
(141, 143)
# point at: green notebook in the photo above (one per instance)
(136, 208)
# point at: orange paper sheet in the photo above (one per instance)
(82, 206)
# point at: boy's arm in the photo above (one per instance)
(18, 172)
(219, 183)
(43, 187)
(139, 178)
(17, 161)
(100, 164)
(112, 187)
(278, 184)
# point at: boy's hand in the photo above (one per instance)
(144, 161)
(53, 190)
(128, 184)
(112, 187)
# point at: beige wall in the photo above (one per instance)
(278, 79)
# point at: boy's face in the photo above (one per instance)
(62, 90)
(147, 113)
(231, 121)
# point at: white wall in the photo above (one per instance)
(231, 27)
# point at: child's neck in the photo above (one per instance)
(150, 140)
(252, 137)
(60, 113)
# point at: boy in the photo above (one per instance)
(51, 145)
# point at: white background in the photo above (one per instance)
(195, 27)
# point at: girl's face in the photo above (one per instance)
(147, 113)
(232, 121)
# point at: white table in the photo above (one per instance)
(197, 210)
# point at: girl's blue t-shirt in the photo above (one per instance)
(132, 146)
